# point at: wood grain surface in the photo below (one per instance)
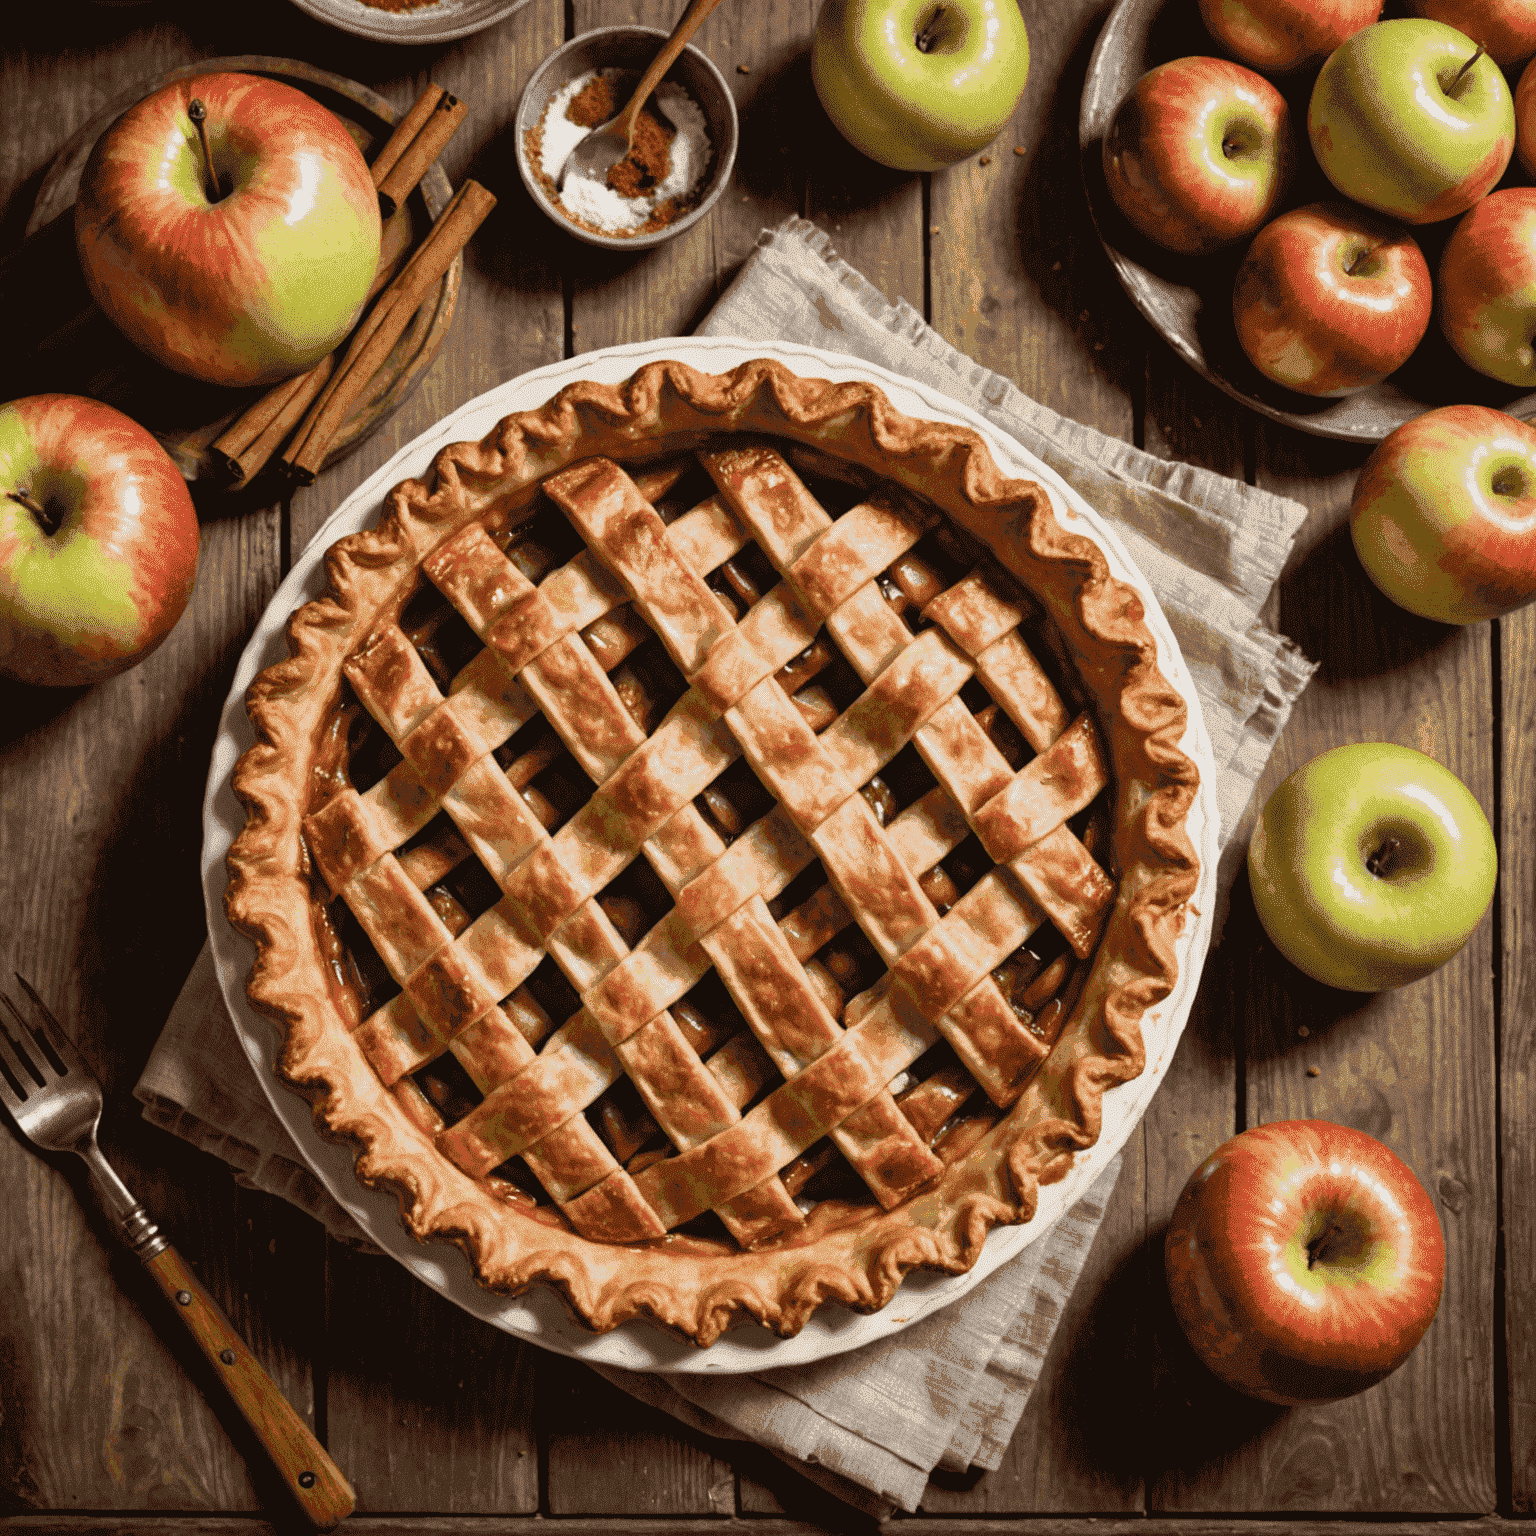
(110, 1422)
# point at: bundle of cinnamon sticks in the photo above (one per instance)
(307, 412)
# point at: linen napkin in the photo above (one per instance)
(871, 1425)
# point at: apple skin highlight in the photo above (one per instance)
(1388, 135)
(107, 585)
(911, 109)
(1322, 904)
(1278, 36)
(1198, 154)
(251, 288)
(1305, 1261)
(1331, 299)
(1443, 516)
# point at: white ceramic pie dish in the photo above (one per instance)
(539, 1316)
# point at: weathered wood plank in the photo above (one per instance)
(1516, 827)
(100, 828)
(428, 1407)
(1081, 1525)
(609, 1455)
(1413, 1067)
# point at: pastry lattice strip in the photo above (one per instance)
(760, 933)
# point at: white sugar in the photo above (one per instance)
(594, 202)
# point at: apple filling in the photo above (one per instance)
(936, 1095)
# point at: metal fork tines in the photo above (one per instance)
(56, 1103)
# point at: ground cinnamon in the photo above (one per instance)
(650, 151)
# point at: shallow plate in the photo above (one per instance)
(186, 414)
(436, 22)
(539, 1316)
(1188, 299)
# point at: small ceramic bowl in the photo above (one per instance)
(630, 48)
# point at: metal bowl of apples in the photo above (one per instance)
(1188, 295)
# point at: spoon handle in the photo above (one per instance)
(687, 25)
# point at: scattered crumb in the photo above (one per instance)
(1098, 346)
(933, 229)
(986, 159)
(1301, 1029)
(1055, 266)
(1314, 1072)
(743, 69)
(1018, 149)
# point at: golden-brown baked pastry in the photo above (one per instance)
(712, 846)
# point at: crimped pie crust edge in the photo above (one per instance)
(663, 407)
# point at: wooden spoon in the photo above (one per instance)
(608, 143)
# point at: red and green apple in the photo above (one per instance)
(1198, 154)
(1331, 298)
(239, 263)
(919, 85)
(1506, 28)
(1305, 1261)
(1371, 865)
(98, 541)
(1487, 287)
(1444, 514)
(1525, 119)
(1410, 119)
(1278, 36)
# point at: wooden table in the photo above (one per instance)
(447, 1425)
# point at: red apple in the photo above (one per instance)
(98, 541)
(1525, 119)
(1330, 299)
(1487, 286)
(1305, 1261)
(1198, 153)
(1282, 35)
(243, 283)
(1506, 28)
(1444, 514)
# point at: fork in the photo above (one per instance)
(56, 1103)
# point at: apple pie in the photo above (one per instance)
(712, 845)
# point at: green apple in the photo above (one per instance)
(1371, 865)
(1407, 118)
(918, 85)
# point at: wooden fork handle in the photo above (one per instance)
(313, 1478)
(687, 25)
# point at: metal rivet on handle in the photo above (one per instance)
(184, 1298)
(227, 1356)
(306, 1479)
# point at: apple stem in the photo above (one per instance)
(199, 115)
(1318, 1247)
(35, 507)
(925, 39)
(1380, 863)
(1461, 73)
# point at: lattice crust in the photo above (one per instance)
(734, 1114)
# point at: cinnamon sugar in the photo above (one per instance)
(661, 178)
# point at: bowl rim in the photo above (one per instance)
(725, 155)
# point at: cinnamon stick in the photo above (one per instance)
(236, 447)
(440, 126)
(253, 457)
(373, 340)
(404, 131)
(418, 138)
